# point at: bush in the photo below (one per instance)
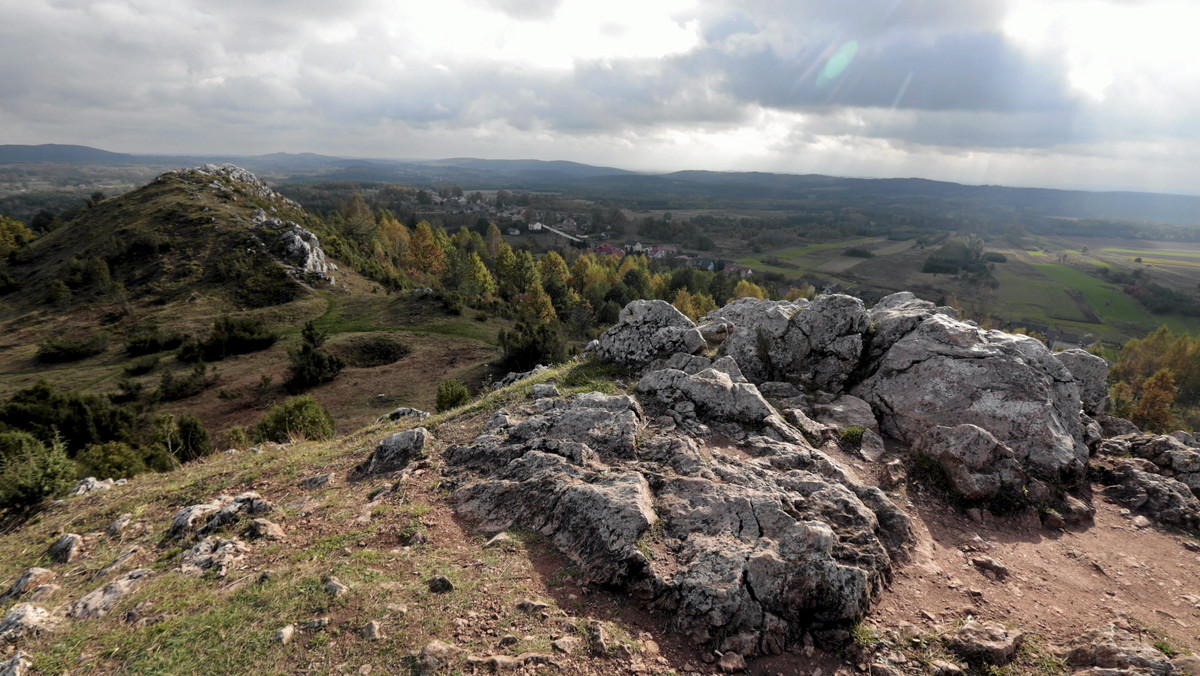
(172, 388)
(530, 344)
(451, 394)
(150, 341)
(230, 336)
(296, 418)
(142, 366)
(79, 419)
(113, 459)
(184, 437)
(852, 435)
(60, 350)
(311, 366)
(858, 252)
(30, 472)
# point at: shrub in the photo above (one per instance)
(858, 252)
(142, 366)
(236, 437)
(230, 336)
(184, 437)
(79, 419)
(56, 350)
(311, 366)
(113, 459)
(530, 344)
(852, 435)
(451, 394)
(172, 388)
(30, 472)
(297, 417)
(149, 341)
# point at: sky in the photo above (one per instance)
(1095, 94)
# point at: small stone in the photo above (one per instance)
(285, 635)
(544, 390)
(397, 608)
(372, 631)
(944, 668)
(440, 584)
(30, 579)
(66, 549)
(312, 483)
(262, 528)
(24, 620)
(892, 474)
(1140, 521)
(335, 587)
(990, 565)
(17, 665)
(527, 606)
(507, 640)
(567, 645)
(435, 654)
(732, 662)
(598, 637)
(115, 528)
(499, 540)
(315, 625)
(650, 647)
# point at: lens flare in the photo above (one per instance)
(838, 63)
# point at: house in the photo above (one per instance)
(535, 226)
(706, 264)
(739, 270)
(514, 231)
(606, 249)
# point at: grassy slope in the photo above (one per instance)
(211, 625)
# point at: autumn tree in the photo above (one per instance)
(427, 255)
(477, 283)
(748, 289)
(1153, 409)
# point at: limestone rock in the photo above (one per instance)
(395, 451)
(1163, 499)
(977, 465)
(946, 372)
(66, 549)
(216, 554)
(760, 543)
(313, 483)
(334, 586)
(249, 503)
(544, 390)
(186, 518)
(372, 631)
(1172, 457)
(1113, 647)
(93, 485)
(647, 329)
(748, 312)
(119, 525)
(513, 376)
(18, 664)
(731, 663)
(568, 645)
(29, 580)
(846, 411)
(1091, 374)
(24, 620)
(435, 655)
(986, 641)
(262, 528)
(712, 392)
(285, 634)
(1115, 427)
(101, 601)
(440, 584)
(405, 413)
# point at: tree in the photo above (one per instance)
(477, 285)
(428, 257)
(296, 418)
(30, 472)
(311, 365)
(13, 235)
(552, 266)
(536, 307)
(1153, 409)
(747, 289)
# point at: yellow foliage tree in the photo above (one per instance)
(428, 256)
(748, 289)
(1153, 410)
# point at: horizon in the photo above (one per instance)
(1063, 93)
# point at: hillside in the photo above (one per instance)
(673, 503)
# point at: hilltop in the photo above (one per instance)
(783, 487)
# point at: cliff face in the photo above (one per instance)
(800, 485)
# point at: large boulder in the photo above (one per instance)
(1118, 648)
(747, 545)
(647, 329)
(25, 620)
(748, 312)
(712, 392)
(101, 601)
(894, 317)
(977, 466)
(1136, 485)
(1171, 457)
(1091, 374)
(819, 344)
(395, 451)
(947, 372)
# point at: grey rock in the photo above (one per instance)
(598, 638)
(262, 528)
(871, 448)
(334, 586)
(846, 411)
(648, 329)
(434, 656)
(42, 592)
(688, 363)
(1172, 457)
(712, 392)
(731, 663)
(716, 331)
(812, 429)
(372, 631)
(285, 634)
(405, 413)
(748, 312)
(18, 664)
(1113, 647)
(93, 485)
(66, 549)
(977, 465)
(1091, 374)
(186, 518)
(514, 377)
(28, 580)
(779, 390)
(946, 372)
(101, 601)
(758, 543)
(395, 451)
(121, 522)
(26, 620)
(249, 503)
(1116, 427)
(544, 390)
(1163, 499)
(312, 483)
(568, 645)
(219, 555)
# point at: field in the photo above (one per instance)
(1051, 282)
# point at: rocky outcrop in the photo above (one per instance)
(1091, 374)
(219, 555)
(946, 372)
(1136, 485)
(221, 511)
(93, 485)
(648, 329)
(819, 343)
(28, 581)
(297, 247)
(17, 664)
(747, 548)
(101, 601)
(1171, 457)
(1118, 646)
(66, 548)
(977, 466)
(711, 392)
(395, 451)
(25, 620)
